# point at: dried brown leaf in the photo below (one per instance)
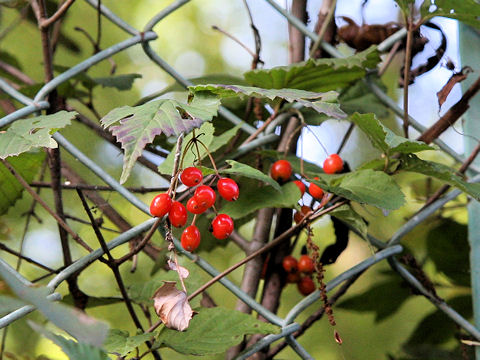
(447, 88)
(172, 306)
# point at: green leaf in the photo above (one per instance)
(364, 186)
(321, 102)
(139, 125)
(28, 166)
(439, 171)
(26, 134)
(82, 327)
(384, 139)
(9, 304)
(121, 343)
(351, 217)
(250, 172)
(74, 350)
(359, 98)
(120, 82)
(213, 331)
(438, 328)
(448, 247)
(384, 299)
(254, 198)
(316, 75)
(467, 11)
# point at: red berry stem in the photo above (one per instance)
(209, 156)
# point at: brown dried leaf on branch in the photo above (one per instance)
(362, 37)
(454, 79)
(172, 306)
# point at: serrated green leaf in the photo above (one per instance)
(448, 247)
(74, 350)
(139, 125)
(82, 327)
(28, 166)
(120, 82)
(384, 299)
(321, 102)
(383, 138)
(467, 11)
(121, 343)
(316, 75)
(364, 186)
(8, 304)
(206, 131)
(213, 331)
(26, 134)
(250, 172)
(254, 198)
(351, 217)
(439, 171)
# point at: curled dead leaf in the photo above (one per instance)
(172, 306)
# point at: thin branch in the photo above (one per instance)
(278, 240)
(140, 190)
(462, 170)
(326, 22)
(60, 11)
(114, 267)
(219, 29)
(452, 115)
(23, 257)
(32, 192)
(12, 70)
(406, 72)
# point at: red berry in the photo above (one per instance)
(301, 186)
(333, 164)
(160, 205)
(228, 189)
(222, 226)
(293, 278)
(290, 264)
(190, 238)
(205, 196)
(315, 190)
(281, 171)
(306, 285)
(177, 214)
(299, 215)
(305, 264)
(194, 206)
(191, 176)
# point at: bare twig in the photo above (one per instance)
(45, 23)
(140, 190)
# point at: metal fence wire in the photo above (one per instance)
(287, 324)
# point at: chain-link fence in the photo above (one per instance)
(288, 325)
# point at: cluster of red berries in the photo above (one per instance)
(203, 198)
(281, 171)
(300, 272)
